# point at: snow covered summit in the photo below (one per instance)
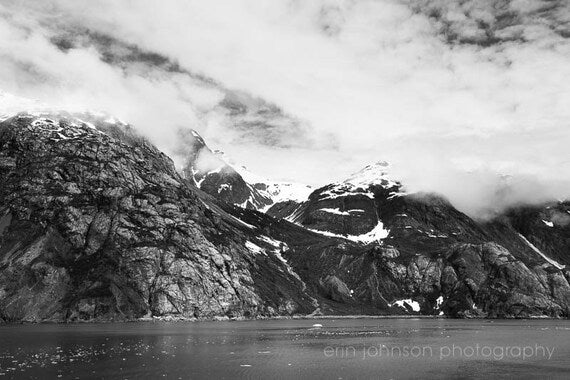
(362, 181)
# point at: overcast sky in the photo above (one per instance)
(471, 100)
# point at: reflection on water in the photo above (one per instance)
(341, 348)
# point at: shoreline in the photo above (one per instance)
(273, 318)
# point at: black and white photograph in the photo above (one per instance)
(284, 189)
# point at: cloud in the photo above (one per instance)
(33, 67)
(457, 95)
(560, 218)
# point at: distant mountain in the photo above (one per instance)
(345, 207)
(232, 183)
(97, 224)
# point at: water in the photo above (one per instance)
(341, 349)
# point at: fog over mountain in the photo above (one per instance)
(469, 100)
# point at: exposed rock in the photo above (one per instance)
(335, 288)
(97, 225)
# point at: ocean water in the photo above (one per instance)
(289, 349)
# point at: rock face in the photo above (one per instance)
(96, 224)
(430, 253)
(499, 285)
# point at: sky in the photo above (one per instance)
(469, 99)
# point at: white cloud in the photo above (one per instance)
(433, 86)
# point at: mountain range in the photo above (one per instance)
(98, 224)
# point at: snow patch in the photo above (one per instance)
(70, 129)
(240, 221)
(549, 260)
(294, 215)
(376, 234)
(375, 174)
(548, 223)
(284, 191)
(342, 190)
(438, 302)
(334, 211)
(254, 248)
(431, 235)
(413, 304)
(360, 182)
(277, 191)
(327, 233)
(396, 194)
(273, 242)
(224, 186)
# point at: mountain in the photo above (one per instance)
(420, 248)
(212, 173)
(97, 224)
(346, 207)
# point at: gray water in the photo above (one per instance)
(274, 349)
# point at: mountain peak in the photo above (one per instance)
(218, 175)
(362, 181)
(377, 173)
(56, 126)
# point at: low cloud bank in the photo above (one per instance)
(469, 100)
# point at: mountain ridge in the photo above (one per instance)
(97, 224)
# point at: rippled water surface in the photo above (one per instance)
(340, 349)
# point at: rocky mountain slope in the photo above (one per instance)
(420, 248)
(97, 224)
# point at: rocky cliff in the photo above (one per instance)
(96, 224)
